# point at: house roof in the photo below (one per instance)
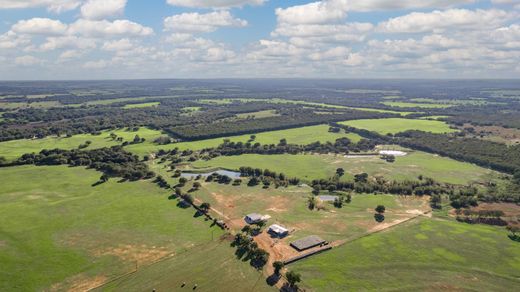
(307, 242)
(254, 216)
(278, 228)
(328, 198)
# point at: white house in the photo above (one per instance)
(253, 218)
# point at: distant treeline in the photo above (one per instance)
(488, 154)
(113, 162)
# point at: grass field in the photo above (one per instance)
(258, 114)
(16, 148)
(58, 231)
(420, 255)
(141, 105)
(308, 167)
(303, 136)
(415, 104)
(397, 125)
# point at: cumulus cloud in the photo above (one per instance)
(214, 3)
(105, 28)
(53, 43)
(27, 60)
(56, 6)
(439, 21)
(42, 26)
(377, 5)
(99, 64)
(312, 13)
(118, 45)
(100, 9)
(207, 22)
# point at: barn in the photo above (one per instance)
(307, 242)
(278, 230)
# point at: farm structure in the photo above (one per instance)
(328, 198)
(278, 230)
(254, 218)
(307, 242)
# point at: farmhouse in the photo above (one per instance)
(307, 242)
(278, 230)
(327, 198)
(253, 218)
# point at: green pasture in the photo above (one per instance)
(258, 114)
(309, 166)
(420, 255)
(397, 125)
(16, 148)
(57, 230)
(141, 105)
(415, 105)
(302, 136)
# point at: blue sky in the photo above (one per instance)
(98, 39)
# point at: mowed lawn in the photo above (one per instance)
(420, 255)
(301, 136)
(397, 125)
(309, 167)
(16, 148)
(56, 230)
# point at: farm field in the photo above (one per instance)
(422, 254)
(258, 115)
(289, 207)
(303, 136)
(141, 105)
(415, 104)
(397, 125)
(308, 167)
(75, 236)
(16, 148)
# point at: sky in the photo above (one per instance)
(141, 39)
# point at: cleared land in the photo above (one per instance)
(308, 167)
(415, 104)
(141, 105)
(16, 148)
(422, 254)
(397, 125)
(75, 236)
(258, 114)
(303, 136)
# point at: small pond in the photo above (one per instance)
(231, 174)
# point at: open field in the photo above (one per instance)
(420, 255)
(141, 105)
(303, 136)
(36, 104)
(308, 167)
(397, 125)
(454, 101)
(73, 235)
(415, 104)
(16, 148)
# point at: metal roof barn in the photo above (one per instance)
(307, 242)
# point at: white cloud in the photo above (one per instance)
(438, 21)
(105, 28)
(214, 3)
(312, 13)
(70, 54)
(11, 40)
(100, 9)
(27, 60)
(196, 22)
(378, 5)
(42, 26)
(56, 6)
(118, 45)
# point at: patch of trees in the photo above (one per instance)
(247, 249)
(266, 177)
(490, 217)
(113, 162)
(488, 154)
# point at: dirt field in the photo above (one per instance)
(499, 134)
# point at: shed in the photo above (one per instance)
(328, 198)
(278, 230)
(253, 218)
(307, 242)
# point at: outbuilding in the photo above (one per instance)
(328, 198)
(278, 230)
(307, 242)
(253, 218)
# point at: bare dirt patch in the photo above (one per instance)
(140, 254)
(496, 133)
(79, 283)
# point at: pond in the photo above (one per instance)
(231, 174)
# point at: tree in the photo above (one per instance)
(283, 142)
(312, 203)
(104, 177)
(380, 209)
(514, 229)
(340, 171)
(188, 198)
(196, 185)
(348, 198)
(293, 278)
(278, 265)
(137, 139)
(362, 177)
(182, 181)
(205, 207)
